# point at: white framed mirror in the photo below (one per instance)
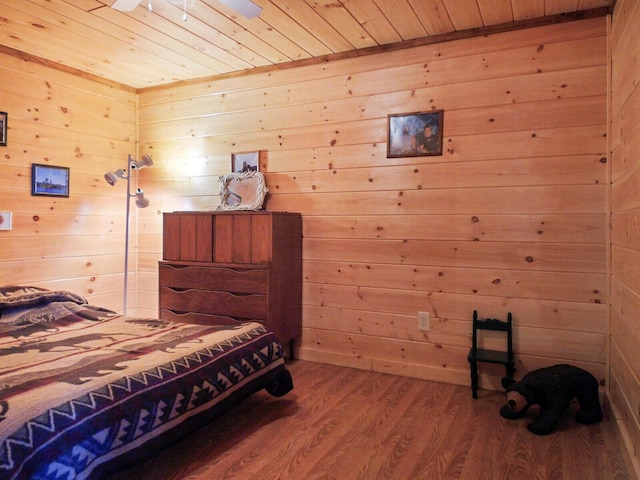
(242, 191)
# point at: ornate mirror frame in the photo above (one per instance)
(242, 191)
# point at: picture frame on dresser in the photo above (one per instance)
(245, 162)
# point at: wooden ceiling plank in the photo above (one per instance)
(371, 18)
(157, 30)
(403, 18)
(244, 38)
(433, 15)
(86, 5)
(277, 19)
(309, 18)
(553, 7)
(113, 40)
(194, 31)
(130, 32)
(166, 19)
(336, 15)
(465, 14)
(589, 4)
(260, 29)
(185, 42)
(36, 37)
(527, 9)
(495, 12)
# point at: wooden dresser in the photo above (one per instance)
(221, 267)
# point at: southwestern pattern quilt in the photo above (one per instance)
(84, 391)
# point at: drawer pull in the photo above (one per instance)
(177, 267)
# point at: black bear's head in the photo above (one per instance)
(516, 401)
(520, 395)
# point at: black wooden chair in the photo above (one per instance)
(501, 357)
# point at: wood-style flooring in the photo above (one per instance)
(343, 424)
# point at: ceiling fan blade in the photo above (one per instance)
(125, 5)
(244, 7)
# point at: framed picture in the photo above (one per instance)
(3, 129)
(415, 134)
(49, 180)
(245, 162)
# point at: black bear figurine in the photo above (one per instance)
(553, 388)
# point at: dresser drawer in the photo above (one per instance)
(199, 318)
(239, 306)
(253, 280)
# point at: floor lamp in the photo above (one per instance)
(141, 202)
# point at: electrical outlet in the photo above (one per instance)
(5, 220)
(424, 321)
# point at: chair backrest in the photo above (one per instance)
(495, 325)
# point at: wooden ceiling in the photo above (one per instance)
(146, 48)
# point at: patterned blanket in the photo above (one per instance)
(84, 391)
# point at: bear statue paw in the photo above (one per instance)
(588, 417)
(511, 414)
(540, 428)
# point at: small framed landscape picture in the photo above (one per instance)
(49, 181)
(3, 129)
(415, 134)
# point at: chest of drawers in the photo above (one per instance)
(224, 267)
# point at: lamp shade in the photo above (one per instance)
(146, 161)
(112, 177)
(141, 202)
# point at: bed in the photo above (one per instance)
(85, 392)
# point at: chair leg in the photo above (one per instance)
(511, 370)
(508, 379)
(474, 379)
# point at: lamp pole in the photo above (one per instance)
(126, 236)
(141, 202)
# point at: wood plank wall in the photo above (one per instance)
(74, 243)
(512, 216)
(625, 223)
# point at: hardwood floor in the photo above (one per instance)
(340, 423)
